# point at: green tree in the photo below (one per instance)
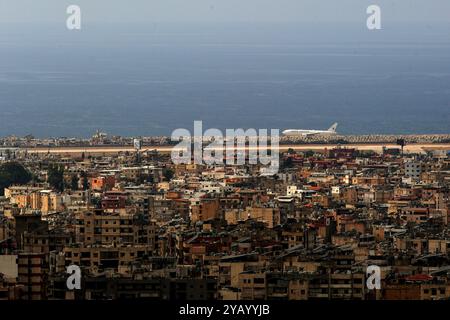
(13, 173)
(287, 163)
(309, 154)
(74, 182)
(85, 181)
(55, 177)
(168, 174)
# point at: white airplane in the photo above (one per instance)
(305, 133)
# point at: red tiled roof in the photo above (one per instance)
(419, 277)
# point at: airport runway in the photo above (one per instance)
(411, 148)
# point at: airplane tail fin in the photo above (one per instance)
(333, 127)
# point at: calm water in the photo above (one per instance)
(151, 80)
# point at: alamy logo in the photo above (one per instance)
(233, 148)
(73, 22)
(373, 277)
(374, 20)
(74, 280)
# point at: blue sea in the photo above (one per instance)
(151, 79)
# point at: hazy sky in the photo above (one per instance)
(149, 66)
(432, 11)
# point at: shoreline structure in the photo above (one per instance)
(101, 143)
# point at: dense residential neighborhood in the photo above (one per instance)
(140, 227)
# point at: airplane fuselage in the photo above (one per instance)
(295, 132)
(304, 133)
